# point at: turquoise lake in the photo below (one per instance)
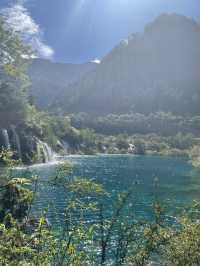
(178, 184)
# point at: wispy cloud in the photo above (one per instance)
(19, 19)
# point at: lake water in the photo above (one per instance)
(178, 185)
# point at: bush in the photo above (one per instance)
(139, 147)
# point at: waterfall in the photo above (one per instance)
(16, 142)
(6, 139)
(44, 152)
(49, 155)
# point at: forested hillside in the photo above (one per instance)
(157, 70)
(48, 80)
(148, 84)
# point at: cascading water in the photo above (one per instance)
(6, 139)
(10, 140)
(49, 155)
(16, 142)
(44, 152)
(38, 147)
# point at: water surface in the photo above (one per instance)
(177, 185)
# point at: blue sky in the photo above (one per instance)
(82, 30)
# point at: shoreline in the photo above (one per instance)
(61, 158)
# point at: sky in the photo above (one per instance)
(77, 31)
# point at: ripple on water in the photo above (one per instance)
(176, 184)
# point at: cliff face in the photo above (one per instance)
(157, 70)
(25, 146)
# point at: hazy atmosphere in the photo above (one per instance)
(99, 133)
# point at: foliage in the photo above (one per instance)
(181, 141)
(122, 142)
(6, 159)
(12, 104)
(13, 52)
(57, 130)
(15, 198)
(26, 240)
(183, 247)
(160, 123)
(139, 147)
(195, 156)
(13, 76)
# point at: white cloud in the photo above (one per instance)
(125, 42)
(96, 61)
(20, 21)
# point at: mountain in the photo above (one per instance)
(157, 70)
(50, 79)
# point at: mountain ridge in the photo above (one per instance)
(49, 79)
(156, 70)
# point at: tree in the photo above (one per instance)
(13, 53)
(13, 78)
(122, 142)
(12, 105)
(139, 147)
